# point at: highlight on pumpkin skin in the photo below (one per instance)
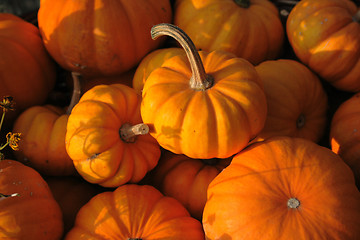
(106, 139)
(195, 103)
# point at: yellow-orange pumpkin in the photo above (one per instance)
(101, 141)
(208, 108)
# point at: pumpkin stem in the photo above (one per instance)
(300, 122)
(356, 17)
(128, 132)
(199, 79)
(293, 203)
(243, 3)
(76, 77)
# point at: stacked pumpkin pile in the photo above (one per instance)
(184, 119)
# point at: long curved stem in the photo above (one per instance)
(199, 80)
(76, 77)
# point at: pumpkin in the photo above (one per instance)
(251, 29)
(283, 188)
(324, 35)
(106, 139)
(150, 62)
(209, 107)
(100, 38)
(43, 130)
(344, 133)
(27, 71)
(71, 193)
(186, 179)
(297, 101)
(28, 210)
(134, 212)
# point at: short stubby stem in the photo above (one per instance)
(300, 122)
(243, 3)
(293, 203)
(129, 132)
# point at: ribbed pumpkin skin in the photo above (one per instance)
(42, 144)
(249, 199)
(134, 212)
(150, 62)
(32, 215)
(215, 123)
(100, 37)
(93, 139)
(254, 33)
(297, 101)
(186, 179)
(325, 36)
(345, 134)
(27, 73)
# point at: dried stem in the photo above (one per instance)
(199, 80)
(76, 77)
(128, 132)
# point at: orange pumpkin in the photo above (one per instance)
(27, 71)
(42, 144)
(324, 35)
(103, 37)
(186, 179)
(150, 62)
(283, 188)
(101, 137)
(250, 29)
(28, 210)
(345, 135)
(208, 108)
(134, 212)
(43, 130)
(297, 101)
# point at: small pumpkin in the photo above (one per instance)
(250, 29)
(150, 62)
(27, 71)
(42, 144)
(43, 130)
(28, 210)
(100, 38)
(283, 188)
(345, 133)
(186, 179)
(106, 139)
(324, 35)
(209, 107)
(134, 212)
(297, 101)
